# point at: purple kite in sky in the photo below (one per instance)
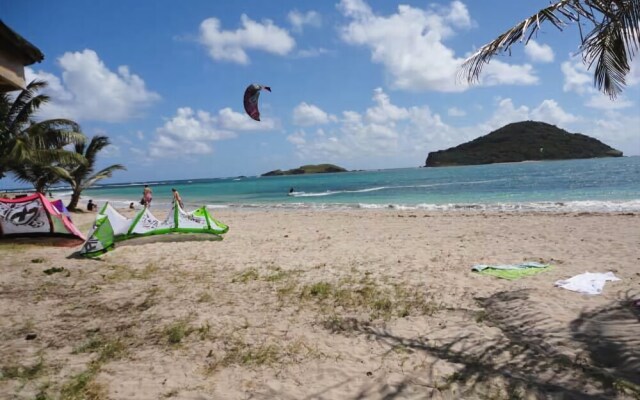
(251, 95)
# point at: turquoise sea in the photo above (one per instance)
(594, 185)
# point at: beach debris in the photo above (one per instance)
(251, 96)
(587, 283)
(53, 270)
(31, 336)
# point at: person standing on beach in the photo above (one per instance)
(176, 198)
(147, 196)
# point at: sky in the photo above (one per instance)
(364, 84)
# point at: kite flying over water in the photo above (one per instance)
(251, 95)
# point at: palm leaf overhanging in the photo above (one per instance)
(35, 151)
(611, 44)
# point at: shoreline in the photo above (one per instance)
(544, 207)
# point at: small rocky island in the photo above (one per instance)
(307, 169)
(522, 141)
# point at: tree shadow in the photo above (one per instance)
(524, 349)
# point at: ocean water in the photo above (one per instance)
(593, 185)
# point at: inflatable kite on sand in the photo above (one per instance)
(111, 227)
(251, 95)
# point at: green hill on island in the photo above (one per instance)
(307, 169)
(522, 141)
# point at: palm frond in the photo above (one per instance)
(96, 144)
(556, 14)
(23, 107)
(102, 174)
(608, 51)
(611, 44)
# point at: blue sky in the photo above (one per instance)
(362, 84)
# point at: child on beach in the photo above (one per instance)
(177, 198)
(147, 196)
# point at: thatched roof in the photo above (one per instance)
(19, 46)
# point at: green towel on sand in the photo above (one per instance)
(511, 271)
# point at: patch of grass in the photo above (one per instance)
(82, 386)
(38, 260)
(366, 295)
(150, 300)
(239, 352)
(204, 297)
(124, 273)
(22, 372)
(319, 291)
(147, 272)
(480, 316)
(107, 349)
(338, 324)
(276, 276)
(249, 275)
(204, 331)
(177, 331)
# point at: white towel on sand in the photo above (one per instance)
(589, 283)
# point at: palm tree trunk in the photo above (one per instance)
(75, 199)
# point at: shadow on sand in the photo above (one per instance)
(530, 355)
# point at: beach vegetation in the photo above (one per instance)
(608, 39)
(22, 372)
(178, 331)
(35, 151)
(83, 385)
(83, 175)
(249, 275)
(366, 295)
(150, 299)
(38, 260)
(237, 351)
(204, 297)
(125, 273)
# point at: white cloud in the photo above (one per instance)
(298, 20)
(384, 111)
(456, 112)
(308, 114)
(90, 91)
(603, 102)
(542, 53)
(229, 119)
(191, 132)
(232, 45)
(410, 44)
(578, 79)
(550, 111)
(384, 129)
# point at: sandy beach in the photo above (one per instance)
(302, 304)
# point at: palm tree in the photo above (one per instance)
(611, 43)
(27, 148)
(81, 176)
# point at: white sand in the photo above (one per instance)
(328, 305)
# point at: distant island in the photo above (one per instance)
(307, 169)
(522, 141)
